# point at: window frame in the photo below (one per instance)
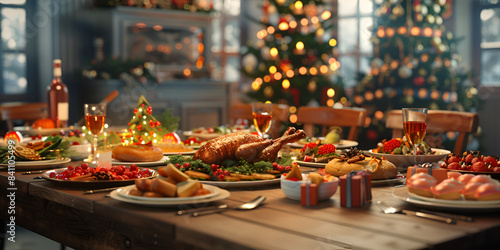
(357, 54)
(477, 7)
(31, 58)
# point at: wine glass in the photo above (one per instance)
(415, 125)
(95, 116)
(262, 115)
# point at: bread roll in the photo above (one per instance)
(379, 169)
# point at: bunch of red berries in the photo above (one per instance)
(390, 145)
(311, 145)
(326, 149)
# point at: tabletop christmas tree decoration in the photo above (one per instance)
(293, 61)
(143, 126)
(415, 64)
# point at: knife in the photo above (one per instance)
(453, 216)
(33, 172)
(196, 210)
(431, 216)
(99, 190)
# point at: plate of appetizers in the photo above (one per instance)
(403, 194)
(342, 144)
(403, 161)
(125, 193)
(93, 176)
(163, 202)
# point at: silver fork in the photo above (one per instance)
(247, 206)
(392, 210)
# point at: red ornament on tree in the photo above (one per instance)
(419, 81)
(149, 110)
(135, 111)
(139, 127)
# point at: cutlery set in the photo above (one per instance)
(427, 214)
(222, 208)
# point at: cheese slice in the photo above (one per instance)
(188, 188)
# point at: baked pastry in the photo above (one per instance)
(425, 176)
(449, 189)
(378, 168)
(465, 178)
(487, 192)
(454, 175)
(482, 178)
(421, 186)
(470, 190)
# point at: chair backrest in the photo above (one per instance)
(244, 111)
(440, 121)
(353, 118)
(27, 112)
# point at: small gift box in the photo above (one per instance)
(433, 169)
(355, 189)
(308, 194)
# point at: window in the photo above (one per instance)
(226, 40)
(13, 81)
(354, 45)
(487, 16)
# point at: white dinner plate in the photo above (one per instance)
(312, 164)
(403, 161)
(402, 193)
(36, 165)
(242, 184)
(343, 144)
(141, 164)
(222, 194)
(124, 192)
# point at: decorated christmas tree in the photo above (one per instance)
(415, 64)
(143, 126)
(293, 60)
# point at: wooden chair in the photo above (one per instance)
(27, 112)
(440, 121)
(244, 111)
(326, 117)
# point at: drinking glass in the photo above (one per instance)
(415, 125)
(95, 116)
(262, 115)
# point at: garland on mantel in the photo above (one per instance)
(187, 5)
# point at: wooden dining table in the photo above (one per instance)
(95, 221)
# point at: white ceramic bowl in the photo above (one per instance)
(292, 188)
(402, 162)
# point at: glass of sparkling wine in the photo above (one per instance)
(95, 117)
(415, 125)
(262, 115)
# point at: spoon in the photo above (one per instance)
(392, 210)
(247, 206)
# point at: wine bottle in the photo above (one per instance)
(57, 97)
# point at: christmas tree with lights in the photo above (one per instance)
(293, 59)
(143, 126)
(415, 64)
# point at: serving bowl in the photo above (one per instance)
(292, 188)
(402, 162)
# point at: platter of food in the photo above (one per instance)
(167, 202)
(86, 176)
(403, 161)
(37, 165)
(403, 194)
(472, 163)
(342, 144)
(462, 201)
(125, 192)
